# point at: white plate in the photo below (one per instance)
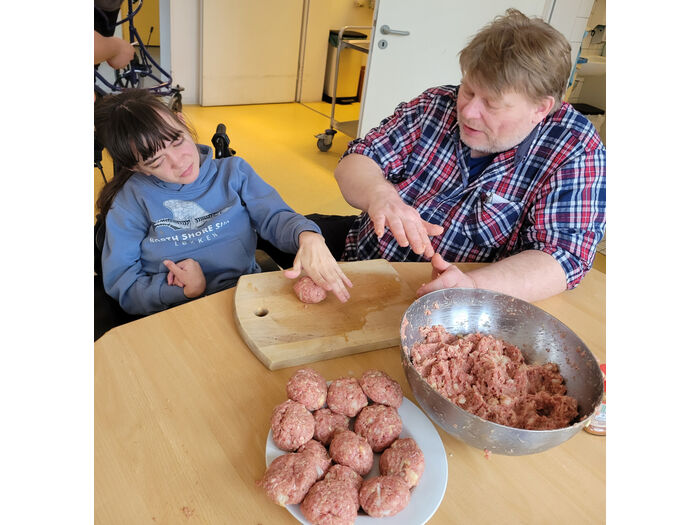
(426, 496)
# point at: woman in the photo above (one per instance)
(180, 224)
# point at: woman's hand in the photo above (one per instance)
(445, 275)
(315, 258)
(186, 274)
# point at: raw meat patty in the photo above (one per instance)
(345, 396)
(288, 478)
(380, 388)
(318, 455)
(489, 378)
(380, 425)
(308, 291)
(308, 388)
(405, 459)
(384, 496)
(343, 473)
(330, 502)
(292, 425)
(351, 450)
(327, 422)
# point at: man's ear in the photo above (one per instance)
(542, 109)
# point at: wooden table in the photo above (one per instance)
(182, 412)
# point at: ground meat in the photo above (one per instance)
(380, 388)
(330, 502)
(345, 396)
(327, 422)
(379, 424)
(288, 478)
(384, 496)
(343, 473)
(308, 387)
(352, 450)
(308, 291)
(292, 425)
(319, 456)
(489, 378)
(405, 459)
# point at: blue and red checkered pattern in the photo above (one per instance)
(547, 194)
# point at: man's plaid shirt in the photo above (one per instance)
(547, 194)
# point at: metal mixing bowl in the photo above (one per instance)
(541, 338)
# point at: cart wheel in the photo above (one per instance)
(323, 145)
(325, 140)
(176, 103)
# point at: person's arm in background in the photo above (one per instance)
(363, 186)
(116, 51)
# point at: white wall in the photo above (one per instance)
(325, 15)
(185, 48)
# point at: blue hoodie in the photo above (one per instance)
(213, 220)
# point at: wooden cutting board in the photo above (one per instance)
(282, 331)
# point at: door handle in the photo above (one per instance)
(386, 30)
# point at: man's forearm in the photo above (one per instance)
(531, 275)
(360, 178)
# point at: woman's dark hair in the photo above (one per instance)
(131, 125)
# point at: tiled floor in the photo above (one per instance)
(278, 140)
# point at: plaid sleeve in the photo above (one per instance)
(390, 143)
(567, 219)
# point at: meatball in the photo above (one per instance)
(288, 478)
(327, 422)
(308, 388)
(380, 388)
(292, 425)
(379, 424)
(405, 459)
(343, 473)
(308, 291)
(345, 396)
(330, 502)
(351, 450)
(384, 496)
(318, 455)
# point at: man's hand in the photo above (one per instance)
(445, 275)
(186, 274)
(387, 209)
(315, 258)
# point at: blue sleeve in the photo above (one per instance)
(272, 218)
(124, 278)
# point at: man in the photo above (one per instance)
(497, 169)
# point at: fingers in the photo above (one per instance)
(410, 230)
(435, 284)
(432, 229)
(379, 224)
(295, 270)
(439, 263)
(174, 269)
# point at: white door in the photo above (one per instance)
(400, 67)
(250, 51)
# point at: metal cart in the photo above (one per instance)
(325, 140)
